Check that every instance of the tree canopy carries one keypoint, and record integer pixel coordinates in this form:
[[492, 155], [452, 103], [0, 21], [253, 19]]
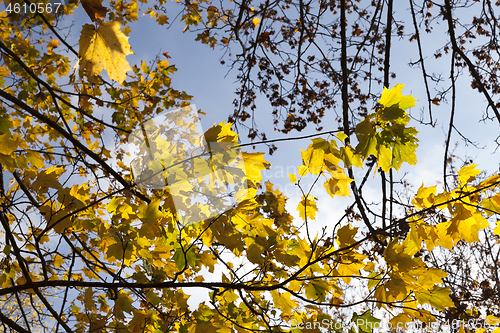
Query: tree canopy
[[103, 239]]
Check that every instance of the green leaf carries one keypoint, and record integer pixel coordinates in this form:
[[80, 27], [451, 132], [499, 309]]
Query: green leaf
[[6, 249], [365, 322], [5, 125], [392, 113], [180, 260]]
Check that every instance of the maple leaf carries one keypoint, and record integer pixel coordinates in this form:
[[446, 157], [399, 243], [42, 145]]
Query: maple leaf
[[345, 236], [317, 290], [394, 96], [365, 321], [437, 297], [338, 185], [307, 208], [104, 48], [385, 134], [149, 213], [496, 231], [283, 302], [88, 299], [468, 173], [94, 8], [123, 303], [254, 164]]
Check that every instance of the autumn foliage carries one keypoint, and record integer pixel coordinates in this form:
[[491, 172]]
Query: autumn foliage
[[87, 248]]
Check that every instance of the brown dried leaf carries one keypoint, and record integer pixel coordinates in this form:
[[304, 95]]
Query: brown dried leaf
[[94, 9]]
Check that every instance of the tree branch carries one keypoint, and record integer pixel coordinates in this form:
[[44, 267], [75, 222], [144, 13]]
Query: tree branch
[[472, 68]]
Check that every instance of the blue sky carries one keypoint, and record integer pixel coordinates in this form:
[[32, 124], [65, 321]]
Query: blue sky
[[212, 85]]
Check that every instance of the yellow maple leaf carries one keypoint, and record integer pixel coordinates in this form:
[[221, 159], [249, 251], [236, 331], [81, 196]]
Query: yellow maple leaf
[[468, 173], [492, 321], [149, 213], [123, 303], [349, 267], [491, 205], [394, 96], [254, 165], [430, 277], [350, 158], [283, 302], [313, 159], [104, 48], [58, 261], [438, 297], [425, 197], [400, 320], [338, 185], [307, 208]]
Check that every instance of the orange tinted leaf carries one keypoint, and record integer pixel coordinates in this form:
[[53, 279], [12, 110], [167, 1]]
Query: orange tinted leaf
[[53, 44], [89, 299], [94, 8]]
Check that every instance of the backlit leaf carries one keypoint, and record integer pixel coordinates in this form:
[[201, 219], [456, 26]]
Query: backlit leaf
[[365, 322], [283, 302], [468, 173], [307, 208], [394, 96], [437, 297], [104, 48]]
